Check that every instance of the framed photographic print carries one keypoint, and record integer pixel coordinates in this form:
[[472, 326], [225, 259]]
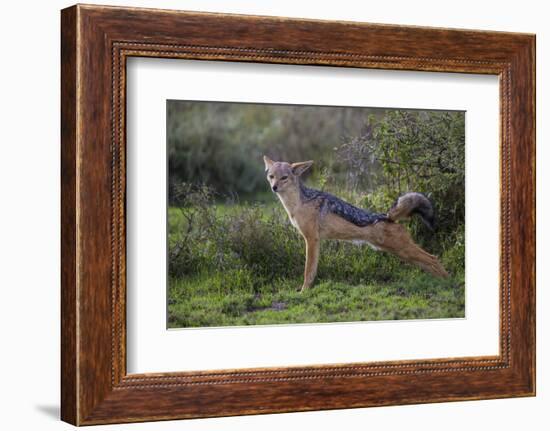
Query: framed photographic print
[[264, 214]]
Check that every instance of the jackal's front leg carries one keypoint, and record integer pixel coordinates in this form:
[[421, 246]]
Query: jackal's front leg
[[312, 259]]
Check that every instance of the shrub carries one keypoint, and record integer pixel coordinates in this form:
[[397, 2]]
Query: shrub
[[403, 151], [265, 242]]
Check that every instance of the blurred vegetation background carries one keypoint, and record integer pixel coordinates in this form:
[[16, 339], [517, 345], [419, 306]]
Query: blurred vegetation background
[[234, 258]]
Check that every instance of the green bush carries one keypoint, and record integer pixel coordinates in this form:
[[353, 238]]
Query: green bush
[[265, 242], [403, 151]]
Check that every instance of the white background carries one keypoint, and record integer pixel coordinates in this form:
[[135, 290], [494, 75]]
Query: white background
[[29, 217], [151, 348]]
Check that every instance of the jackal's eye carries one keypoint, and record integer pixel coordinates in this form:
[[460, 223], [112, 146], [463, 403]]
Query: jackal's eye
[[284, 178], [271, 177]]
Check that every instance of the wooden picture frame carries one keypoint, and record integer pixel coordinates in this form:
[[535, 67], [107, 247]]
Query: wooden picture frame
[[95, 43]]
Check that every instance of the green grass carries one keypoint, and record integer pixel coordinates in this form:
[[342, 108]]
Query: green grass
[[208, 301]]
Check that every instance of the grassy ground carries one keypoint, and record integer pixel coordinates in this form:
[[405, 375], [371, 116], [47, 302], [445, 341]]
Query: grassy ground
[[202, 301], [247, 265]]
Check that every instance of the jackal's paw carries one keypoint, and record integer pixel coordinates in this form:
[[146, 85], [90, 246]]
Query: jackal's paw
[[302, 288]]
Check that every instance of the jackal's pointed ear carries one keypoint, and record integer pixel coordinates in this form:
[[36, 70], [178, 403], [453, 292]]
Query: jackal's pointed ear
[[268, 162], [300, 167]]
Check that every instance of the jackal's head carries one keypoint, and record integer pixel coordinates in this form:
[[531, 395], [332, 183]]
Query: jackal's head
[[283, 176]]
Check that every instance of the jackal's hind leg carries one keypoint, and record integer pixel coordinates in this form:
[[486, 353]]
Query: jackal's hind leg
[[397, 240]]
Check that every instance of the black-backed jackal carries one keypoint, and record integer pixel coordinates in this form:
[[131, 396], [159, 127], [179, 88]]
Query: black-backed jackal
[[318, 215]]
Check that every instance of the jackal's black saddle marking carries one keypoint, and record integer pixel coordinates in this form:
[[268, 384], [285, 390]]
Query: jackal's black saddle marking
[[349, 212]]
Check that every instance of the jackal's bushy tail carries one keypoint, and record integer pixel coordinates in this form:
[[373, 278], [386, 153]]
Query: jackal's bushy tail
[[413, 203]]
